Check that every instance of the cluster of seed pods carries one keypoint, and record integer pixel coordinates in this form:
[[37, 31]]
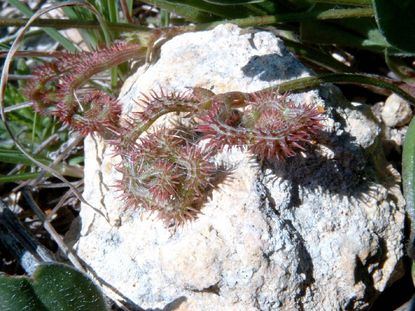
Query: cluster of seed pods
[[169, 170]]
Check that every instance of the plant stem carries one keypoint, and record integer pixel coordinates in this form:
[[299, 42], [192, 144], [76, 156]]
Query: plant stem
[[71, 23], [242, 22], [126, 8], [346, 78], [342, 13], [17, 177], [345, 2], [10, 38], [290, 17], [52, 32]]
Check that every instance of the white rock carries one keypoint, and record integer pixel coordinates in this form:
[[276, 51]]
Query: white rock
[[393, 138], [317, 232], [362, 124], [396, 111]]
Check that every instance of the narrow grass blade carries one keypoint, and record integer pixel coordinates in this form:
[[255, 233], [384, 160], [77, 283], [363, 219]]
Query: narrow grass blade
[[68, 45]]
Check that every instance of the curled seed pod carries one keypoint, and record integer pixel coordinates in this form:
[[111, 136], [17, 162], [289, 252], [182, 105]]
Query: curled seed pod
[[100, 111], [158, 103], [281, 127], [168, 174], [153, 106], [271, 126], [222, 127], [41, 88], [53, 87]]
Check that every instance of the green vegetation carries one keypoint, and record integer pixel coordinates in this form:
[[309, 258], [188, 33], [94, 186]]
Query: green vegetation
[[52, 287]]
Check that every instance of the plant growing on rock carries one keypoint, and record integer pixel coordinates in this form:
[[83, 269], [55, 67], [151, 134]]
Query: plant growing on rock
[[170, 169]]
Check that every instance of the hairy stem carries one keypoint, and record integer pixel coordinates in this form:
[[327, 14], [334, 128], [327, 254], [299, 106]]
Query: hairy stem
[[289, 17], [107, 60]]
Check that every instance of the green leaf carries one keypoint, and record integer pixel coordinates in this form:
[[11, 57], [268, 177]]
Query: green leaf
[[396, 20], [16, 294], [408, 173], [200, 11], [232, 2], [275, 7], [53, 287], [16, 157], [91, 36], [63, 288], [53, 33], [359, 33], [375, 38], [18, 177]]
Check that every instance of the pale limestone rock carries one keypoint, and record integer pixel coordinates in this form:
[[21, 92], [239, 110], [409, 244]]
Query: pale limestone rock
[[362, 124], [392, 137], [318, 232], [396, 111]]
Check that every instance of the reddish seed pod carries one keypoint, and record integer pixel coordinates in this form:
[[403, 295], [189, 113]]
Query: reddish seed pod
[[167, 171], [53, 88], [167, 174], [270, 125]]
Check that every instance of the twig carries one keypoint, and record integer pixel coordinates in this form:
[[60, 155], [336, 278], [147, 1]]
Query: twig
[[20, 77], [123, 302], [18, 106], [70, 23], [62, 201], [124, 8], [52, 232]]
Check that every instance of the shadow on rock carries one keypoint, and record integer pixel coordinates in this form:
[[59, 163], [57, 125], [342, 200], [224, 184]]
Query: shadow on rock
[[272, 68]]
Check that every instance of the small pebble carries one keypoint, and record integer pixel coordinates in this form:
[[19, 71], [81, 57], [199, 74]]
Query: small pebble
[[396, 112]]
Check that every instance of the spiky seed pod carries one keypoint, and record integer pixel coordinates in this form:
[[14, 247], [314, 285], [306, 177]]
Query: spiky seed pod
[[163, 186], [100, 111], [271, 126], [92, 63], [168, 174], [41, 89], [53, 88], [153, 106], [282, 127], [222, 127], [156, 104], [167, 171]]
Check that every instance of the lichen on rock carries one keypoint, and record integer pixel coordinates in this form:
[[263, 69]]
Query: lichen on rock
[[275, 235]]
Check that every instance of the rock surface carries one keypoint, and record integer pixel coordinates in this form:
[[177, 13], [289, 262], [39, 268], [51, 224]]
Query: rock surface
[[320, 231]]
